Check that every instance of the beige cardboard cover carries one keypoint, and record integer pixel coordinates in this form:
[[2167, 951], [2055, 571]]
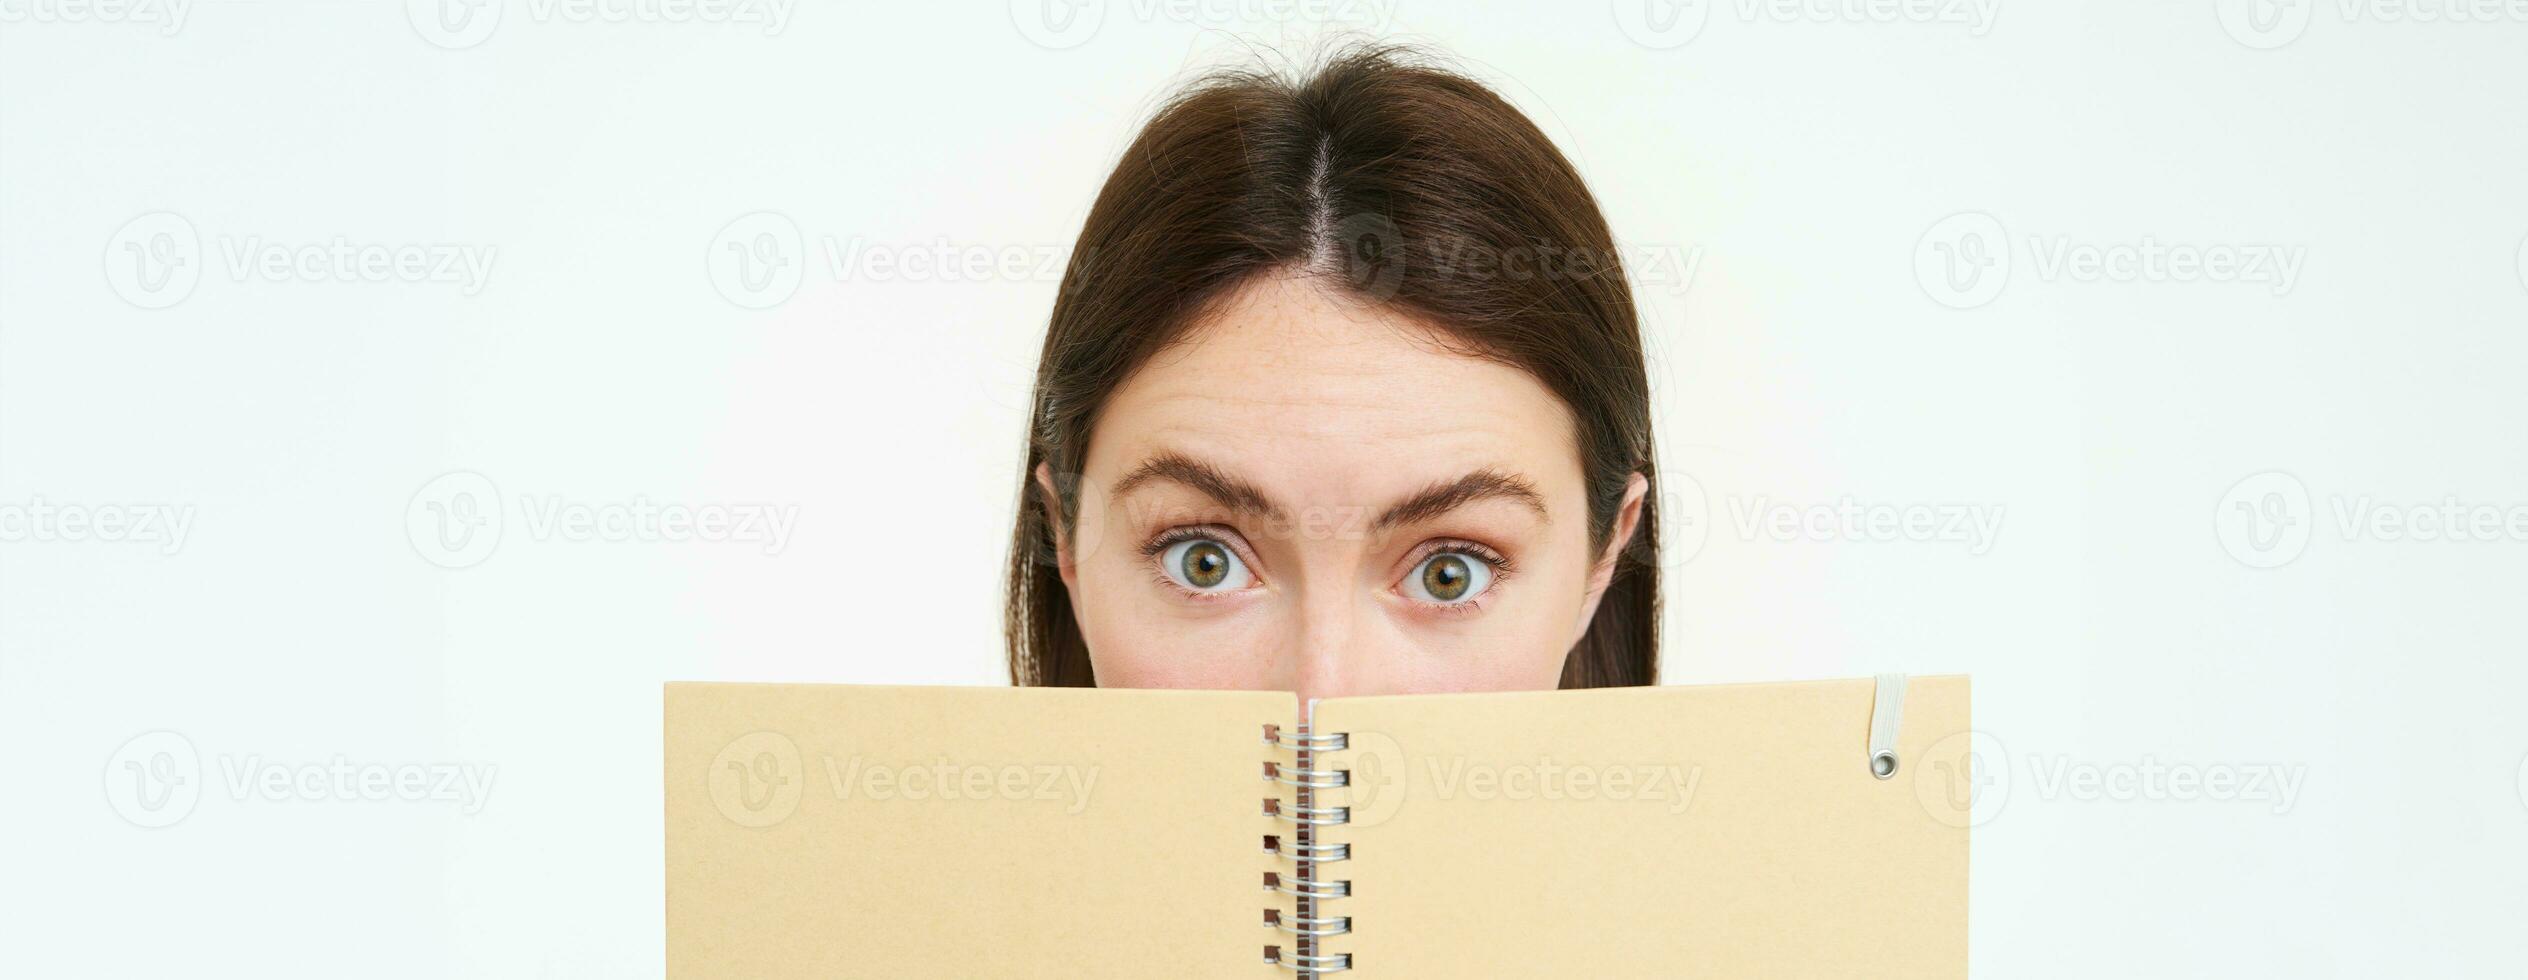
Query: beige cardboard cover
[[1720, 831], [832, 831]]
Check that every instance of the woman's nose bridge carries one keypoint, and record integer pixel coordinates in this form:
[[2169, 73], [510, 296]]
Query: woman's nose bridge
[[1327, 639]]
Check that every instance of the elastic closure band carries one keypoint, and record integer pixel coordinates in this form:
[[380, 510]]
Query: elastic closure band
[[1887, 714]]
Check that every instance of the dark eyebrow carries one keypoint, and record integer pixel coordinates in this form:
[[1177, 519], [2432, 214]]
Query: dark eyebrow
[[1202, 477], [1440, 498], [1230, 491]]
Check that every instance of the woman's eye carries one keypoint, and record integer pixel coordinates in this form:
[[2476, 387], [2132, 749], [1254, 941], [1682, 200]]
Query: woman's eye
[[1448, 577], [1204, 565]]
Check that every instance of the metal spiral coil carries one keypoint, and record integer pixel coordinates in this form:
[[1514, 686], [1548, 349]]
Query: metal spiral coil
[[1305, 923]]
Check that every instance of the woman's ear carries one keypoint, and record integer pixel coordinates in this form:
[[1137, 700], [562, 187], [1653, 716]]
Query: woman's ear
[[1627, 522], [1050, 500]]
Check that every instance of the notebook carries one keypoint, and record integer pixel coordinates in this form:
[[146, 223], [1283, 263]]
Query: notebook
[[1808, 829]]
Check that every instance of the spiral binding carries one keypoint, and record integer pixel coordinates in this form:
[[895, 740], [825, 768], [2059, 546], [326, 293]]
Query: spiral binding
[[1305, 922]]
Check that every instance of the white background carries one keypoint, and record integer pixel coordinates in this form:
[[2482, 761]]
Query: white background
[[2154, 613]]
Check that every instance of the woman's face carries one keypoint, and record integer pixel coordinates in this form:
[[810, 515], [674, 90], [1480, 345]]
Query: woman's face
[[1308, 494]]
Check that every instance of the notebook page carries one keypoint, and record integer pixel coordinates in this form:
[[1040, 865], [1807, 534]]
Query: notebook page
[[1721, 831], [841, 831]]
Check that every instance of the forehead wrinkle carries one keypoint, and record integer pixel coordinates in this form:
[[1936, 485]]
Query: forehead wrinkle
[[1317, 398]]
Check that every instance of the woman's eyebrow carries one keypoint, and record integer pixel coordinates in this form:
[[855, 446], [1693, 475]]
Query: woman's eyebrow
[[1202, 477], [1232, 492], [1440, 498]]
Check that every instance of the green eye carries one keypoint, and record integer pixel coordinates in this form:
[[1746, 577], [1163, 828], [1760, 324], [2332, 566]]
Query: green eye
[[1203, 565], [1449, 577], [1445, 577]]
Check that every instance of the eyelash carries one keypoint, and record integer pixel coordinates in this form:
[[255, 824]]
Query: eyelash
[[1501, 570], [1500, 564], [1158, 545]]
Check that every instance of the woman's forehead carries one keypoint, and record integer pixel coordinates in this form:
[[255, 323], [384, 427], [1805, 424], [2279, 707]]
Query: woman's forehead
[[1314, 395]]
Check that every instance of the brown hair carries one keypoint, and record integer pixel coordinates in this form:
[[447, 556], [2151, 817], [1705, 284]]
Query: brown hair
[[1407, 184]]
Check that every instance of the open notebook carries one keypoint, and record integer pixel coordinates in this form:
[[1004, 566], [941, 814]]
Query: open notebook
[[1811, 829]]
